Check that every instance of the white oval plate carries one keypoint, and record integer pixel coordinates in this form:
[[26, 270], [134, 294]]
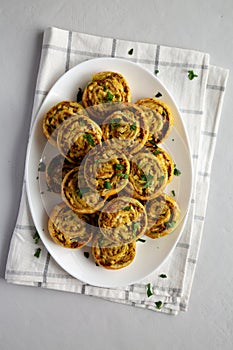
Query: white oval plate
[[149, 255]]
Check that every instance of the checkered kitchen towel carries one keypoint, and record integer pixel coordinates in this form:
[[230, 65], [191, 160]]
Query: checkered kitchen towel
[[199, 100]]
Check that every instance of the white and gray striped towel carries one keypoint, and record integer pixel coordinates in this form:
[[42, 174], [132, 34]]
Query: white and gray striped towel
[[200, 102]]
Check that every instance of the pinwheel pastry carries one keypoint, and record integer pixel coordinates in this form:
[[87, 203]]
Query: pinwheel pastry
[[163, 216], [56, 116], [69, 229], [123, 220], [165, 158], [76, 136], [126, 129], [111, 256], [148, 176], [106, 170], [78, 195], [56, 171], [104, 92], [159, 118]]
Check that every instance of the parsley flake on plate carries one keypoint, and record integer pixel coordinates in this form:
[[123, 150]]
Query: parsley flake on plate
[[109, 97], [177, 172], [89, 139], [170, 224], [148, 178], [128, 207], [125, 176], [157, 151], [130, 52], [173, 193], [79, 95], [115, 122], [107, 185], [42, 166], [133, 126], [141, 240], [120, 167], [158, 94], [82, 191]]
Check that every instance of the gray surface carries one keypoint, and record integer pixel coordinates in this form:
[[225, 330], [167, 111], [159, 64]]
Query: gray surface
[[32, 318]]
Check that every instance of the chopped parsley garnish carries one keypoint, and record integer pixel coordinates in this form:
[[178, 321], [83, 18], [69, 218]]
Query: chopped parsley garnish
[[164, 113], [104, 88], [109, 97], [79, 95], [37, 252], [170, 224], [148, 290], [125, 176], [81, 122], [82, 191], [176, 172], [173, 193], [130, 52], [159, 304], [128, 207], [156, 71], [135, 226], [148, 178], [120, 167], [107, 185], [161, 178], [157, 151], [152, 142], [191, 75], [141, 240], [158, 95], [89, 139], [86, 254], [97, 161], [133, 126], [163, 275], [36, 237], [42, 166], [115, 122]]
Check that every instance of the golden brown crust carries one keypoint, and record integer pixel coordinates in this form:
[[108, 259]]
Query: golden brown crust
[[148, 176], [77, 136], [159, 118], [78, 195], [69, 229], [57, 115], [123, 220], [112, 256], [106, 170], [163, 216], [126, 129], [104, 92], [56, 171]]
